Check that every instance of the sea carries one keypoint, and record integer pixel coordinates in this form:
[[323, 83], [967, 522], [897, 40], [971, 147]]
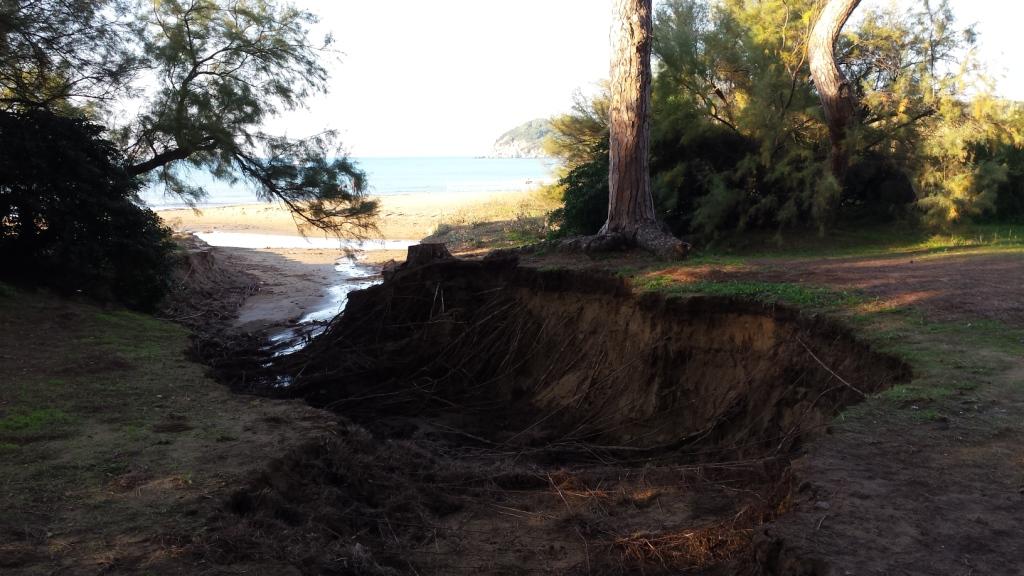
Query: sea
[[388, 176]]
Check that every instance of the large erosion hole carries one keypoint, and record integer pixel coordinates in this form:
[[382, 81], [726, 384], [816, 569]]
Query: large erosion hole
[[533, 357], [513, 420]]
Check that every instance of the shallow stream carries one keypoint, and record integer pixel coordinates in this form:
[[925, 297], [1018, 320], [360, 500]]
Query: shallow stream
[[351, 275]]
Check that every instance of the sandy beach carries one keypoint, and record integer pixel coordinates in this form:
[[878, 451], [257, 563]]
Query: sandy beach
[[295, 282], [402, 216]]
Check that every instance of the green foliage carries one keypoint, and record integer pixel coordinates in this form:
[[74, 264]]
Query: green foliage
[[1010, 193], [732, 79], [223, 69], [534, 131], [68, 213], [38, 424], [585, 195], [577, 138], [738, 142], [54, 52], [208, 74], [928, 107], [580, 141], [769, 292], [527, 139]]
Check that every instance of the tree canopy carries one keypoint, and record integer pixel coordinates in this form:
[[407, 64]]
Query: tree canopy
[[56, 53], [739, 138], [207, 75]]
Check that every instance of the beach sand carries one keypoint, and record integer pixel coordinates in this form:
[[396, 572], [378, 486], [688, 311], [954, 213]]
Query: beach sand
[[296, 281], [402, 216]]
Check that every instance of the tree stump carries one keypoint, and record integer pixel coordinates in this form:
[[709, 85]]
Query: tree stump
[[422, 254]]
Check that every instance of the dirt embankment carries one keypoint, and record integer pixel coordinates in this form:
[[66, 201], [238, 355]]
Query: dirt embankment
[[509, 420], [206, 292]]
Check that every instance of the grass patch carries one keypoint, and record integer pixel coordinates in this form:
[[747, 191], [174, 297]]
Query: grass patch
[[770, 292], [74, 373], [97, 403], [960, 367], [916, 394], [33, 425], [927, 415], [864, 241]]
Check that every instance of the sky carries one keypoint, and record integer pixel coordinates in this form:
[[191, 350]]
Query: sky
[[448, 77]]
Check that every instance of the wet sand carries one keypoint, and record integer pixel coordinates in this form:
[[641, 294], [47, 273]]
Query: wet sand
[[296, 282]]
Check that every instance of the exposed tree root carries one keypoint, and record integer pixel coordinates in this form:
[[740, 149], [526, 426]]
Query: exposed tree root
[[655, 239], [651, 237]]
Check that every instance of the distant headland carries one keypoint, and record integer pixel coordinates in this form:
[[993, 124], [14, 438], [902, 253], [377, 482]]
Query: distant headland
[[523, 141]]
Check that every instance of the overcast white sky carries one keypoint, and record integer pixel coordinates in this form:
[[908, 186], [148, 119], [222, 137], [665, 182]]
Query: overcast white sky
[[447, 77]]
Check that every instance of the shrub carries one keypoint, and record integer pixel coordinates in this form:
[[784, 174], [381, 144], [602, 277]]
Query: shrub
[[1009, 203], [585, 196], [69, 213]]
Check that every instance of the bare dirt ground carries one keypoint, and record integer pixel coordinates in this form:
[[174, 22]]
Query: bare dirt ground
[[449, 476], [960, 285], [925, 479]]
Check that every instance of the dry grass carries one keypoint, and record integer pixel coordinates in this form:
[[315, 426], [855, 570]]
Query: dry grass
[[500, 222]]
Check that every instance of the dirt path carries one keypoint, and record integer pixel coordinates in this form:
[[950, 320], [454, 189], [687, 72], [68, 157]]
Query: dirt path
[[955, 286]]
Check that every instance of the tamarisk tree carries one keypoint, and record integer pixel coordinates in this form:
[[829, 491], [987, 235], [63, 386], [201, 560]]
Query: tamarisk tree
[[222, 68], [55, 51]]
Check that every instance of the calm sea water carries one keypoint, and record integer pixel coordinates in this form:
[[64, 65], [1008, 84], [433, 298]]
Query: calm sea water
[[398, 176]]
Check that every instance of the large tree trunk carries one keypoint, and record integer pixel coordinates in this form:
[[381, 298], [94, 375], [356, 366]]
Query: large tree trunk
[[630, 205], [837, 96]]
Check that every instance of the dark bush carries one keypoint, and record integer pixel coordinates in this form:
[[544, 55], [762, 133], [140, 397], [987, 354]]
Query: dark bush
[[586, 195], [69, 214], [690, 160], [876, 189], [1010, 199]]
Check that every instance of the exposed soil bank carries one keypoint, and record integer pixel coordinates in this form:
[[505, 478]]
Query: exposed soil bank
[[513, 420], [600, 363]]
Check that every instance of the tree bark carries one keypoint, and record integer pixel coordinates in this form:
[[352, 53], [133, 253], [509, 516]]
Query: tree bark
[[837, 96], [158, 161], [629, 182], [630, 205]]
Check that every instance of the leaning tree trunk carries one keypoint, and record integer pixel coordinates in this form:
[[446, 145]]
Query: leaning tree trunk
[[834, 90], [630, 205]]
